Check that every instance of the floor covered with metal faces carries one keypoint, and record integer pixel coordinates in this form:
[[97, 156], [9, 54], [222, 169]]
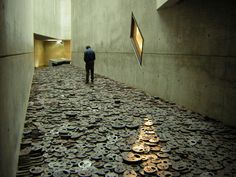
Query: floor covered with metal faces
[[109, 129]]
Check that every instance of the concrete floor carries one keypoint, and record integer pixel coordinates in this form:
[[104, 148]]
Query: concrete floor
[[81, 130]]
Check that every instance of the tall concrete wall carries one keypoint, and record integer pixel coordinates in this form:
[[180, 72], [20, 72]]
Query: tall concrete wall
[[189, 55], [16, 72], [52, 18], [65, 19], [39, 58], [67, 49]]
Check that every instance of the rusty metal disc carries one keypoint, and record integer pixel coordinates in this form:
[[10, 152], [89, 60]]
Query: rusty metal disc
[[149, 157], [149, 132], [155, 148], [162, 166], [164, 174], [154, 139], [130, 173], [162, 154], [131, 157], [140, 148], [150, 169], [148, 123], [165, 149]]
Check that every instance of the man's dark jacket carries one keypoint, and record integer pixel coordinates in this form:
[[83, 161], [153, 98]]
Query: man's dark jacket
[[89, 56]]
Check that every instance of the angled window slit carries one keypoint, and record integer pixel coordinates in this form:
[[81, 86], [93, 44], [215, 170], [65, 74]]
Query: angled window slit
[[136, 39]]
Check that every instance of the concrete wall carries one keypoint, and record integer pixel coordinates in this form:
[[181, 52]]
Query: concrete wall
[[189, 55], [16, 72], [67, 49], [52, 18], [65, 19], [39, 58]]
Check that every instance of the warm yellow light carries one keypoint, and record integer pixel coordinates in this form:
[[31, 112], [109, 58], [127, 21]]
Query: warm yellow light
[[139, 39], [36, 64], [59, 42]]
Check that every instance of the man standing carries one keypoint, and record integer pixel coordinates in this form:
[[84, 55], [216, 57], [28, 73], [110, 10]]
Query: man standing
[[89, 57]]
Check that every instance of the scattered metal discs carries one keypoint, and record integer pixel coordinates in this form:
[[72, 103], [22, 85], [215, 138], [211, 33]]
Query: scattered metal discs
[[85, 129]]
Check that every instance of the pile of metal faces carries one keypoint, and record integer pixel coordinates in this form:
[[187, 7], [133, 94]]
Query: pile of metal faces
[[112, 130]]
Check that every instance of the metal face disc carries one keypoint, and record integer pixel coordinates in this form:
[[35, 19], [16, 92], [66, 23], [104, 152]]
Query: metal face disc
[[162, 166], [85, 164], [155, 148], [179, 166], [61, 173], [149, 157], [119, 168], [148, 123], [111, 174], [36, 170], [140, 148], [164, 174], [150, 169], [162, 155], [154, 139], [130, 173], [207, 174], [84, 173], [131, 157]]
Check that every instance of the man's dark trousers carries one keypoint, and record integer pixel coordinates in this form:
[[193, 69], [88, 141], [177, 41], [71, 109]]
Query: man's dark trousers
[[89, 68]]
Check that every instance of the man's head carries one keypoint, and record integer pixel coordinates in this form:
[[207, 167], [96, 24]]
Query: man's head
[[88, 47]]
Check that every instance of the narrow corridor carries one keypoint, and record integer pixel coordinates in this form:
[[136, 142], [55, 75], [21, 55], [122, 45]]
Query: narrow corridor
[[74, 129]]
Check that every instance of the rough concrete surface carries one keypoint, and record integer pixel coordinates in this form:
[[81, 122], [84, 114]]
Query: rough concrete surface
[[52, 18], [16, 72], [16, 27], [14, 92]]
